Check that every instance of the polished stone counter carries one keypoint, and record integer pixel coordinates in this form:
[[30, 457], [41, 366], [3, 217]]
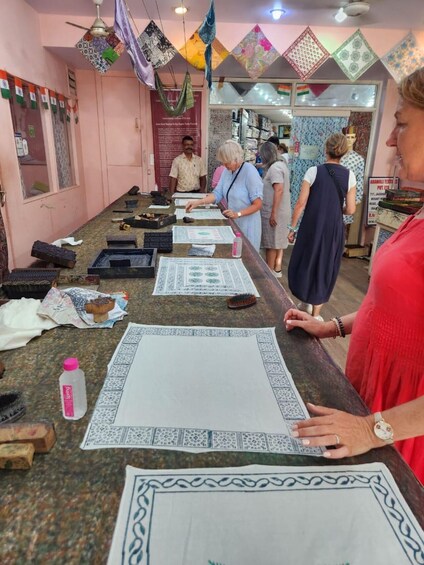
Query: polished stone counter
[[63, 510]]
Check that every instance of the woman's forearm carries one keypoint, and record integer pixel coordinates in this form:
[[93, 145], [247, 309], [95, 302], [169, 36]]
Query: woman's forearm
[[278, 195], [254, 207]]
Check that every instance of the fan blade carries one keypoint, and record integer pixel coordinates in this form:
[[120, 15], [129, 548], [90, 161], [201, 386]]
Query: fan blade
[[76, 25]]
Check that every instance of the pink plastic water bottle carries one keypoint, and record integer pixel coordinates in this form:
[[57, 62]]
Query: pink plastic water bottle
[[72, 390], [237, 245]]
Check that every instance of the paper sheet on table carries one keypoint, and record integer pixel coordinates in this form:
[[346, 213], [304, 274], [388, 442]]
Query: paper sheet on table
[[265, 515], [188, 195], [198, 389]]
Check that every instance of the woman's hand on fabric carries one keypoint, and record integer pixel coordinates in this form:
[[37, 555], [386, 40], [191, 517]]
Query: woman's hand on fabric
[[291, 237], [230, 214], [272, 221], [351, 435], [190, 205], [294, 318]]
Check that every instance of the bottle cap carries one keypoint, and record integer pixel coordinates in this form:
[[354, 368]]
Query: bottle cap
[[70, 364], [238, 234]]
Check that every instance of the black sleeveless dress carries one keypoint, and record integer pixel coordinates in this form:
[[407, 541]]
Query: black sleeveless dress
[[317, 253]]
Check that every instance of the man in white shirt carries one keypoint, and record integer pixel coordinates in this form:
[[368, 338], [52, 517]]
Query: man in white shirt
[[188, 171]]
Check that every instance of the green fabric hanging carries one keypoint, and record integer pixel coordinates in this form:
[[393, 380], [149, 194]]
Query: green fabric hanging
[[185, 100]]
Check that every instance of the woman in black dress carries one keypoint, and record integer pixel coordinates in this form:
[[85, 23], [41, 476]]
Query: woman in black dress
[[327, 192]]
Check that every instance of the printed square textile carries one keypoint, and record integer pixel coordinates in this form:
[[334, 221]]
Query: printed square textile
[[355, 56], [194, 52], [204, 235], [351, 514], [207, 277], [198, 389], [199, 214], [405, 58], [101, 52], [255, 52], [306, 54], [181, 203], [157, 49]]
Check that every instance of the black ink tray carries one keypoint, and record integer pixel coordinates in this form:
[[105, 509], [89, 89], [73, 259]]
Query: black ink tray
[[152, 221], [124, 263]]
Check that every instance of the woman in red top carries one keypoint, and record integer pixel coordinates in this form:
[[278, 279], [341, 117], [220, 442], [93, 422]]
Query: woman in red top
[[386, 355]]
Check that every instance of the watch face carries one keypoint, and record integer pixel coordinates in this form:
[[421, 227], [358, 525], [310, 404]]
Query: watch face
[[383, 430]]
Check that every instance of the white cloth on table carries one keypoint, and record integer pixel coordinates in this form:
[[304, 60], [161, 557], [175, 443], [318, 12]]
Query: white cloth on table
[[200, 214], [181, 202], [208, 235], [66, 241], [265, 515]]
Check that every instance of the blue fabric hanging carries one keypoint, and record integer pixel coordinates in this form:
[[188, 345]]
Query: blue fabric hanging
[[142, 68], [207, 32]]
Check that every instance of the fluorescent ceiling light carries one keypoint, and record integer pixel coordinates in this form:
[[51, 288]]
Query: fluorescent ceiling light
[[181, 10], [340, 16], [276, 13]]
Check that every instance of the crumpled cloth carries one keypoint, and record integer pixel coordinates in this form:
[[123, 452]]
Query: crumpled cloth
[[201, 250], [67, 306], [66, 241], [20, 322]]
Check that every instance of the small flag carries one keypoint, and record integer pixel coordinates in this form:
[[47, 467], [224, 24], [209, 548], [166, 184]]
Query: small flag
[[44, 97], [302, 89], [19, 91], [61, 107], [76, 112], [53, 101], [68, 112], [32, 96], [284, 89], [4, 85]]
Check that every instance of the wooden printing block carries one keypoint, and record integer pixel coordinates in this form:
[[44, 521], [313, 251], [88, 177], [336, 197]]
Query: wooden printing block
[[100, 308], [53, 254], [40, 434], [121, 240], [16, 455]]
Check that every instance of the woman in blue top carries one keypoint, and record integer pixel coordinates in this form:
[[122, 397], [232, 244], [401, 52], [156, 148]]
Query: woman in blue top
[[239, 189]]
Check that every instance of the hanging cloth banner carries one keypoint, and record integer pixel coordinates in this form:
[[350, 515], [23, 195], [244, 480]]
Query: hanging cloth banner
[[32, 96], [142, 68], [44, 97], [53, 101], [68, 112], [61, 106], [19, 91], [4, 85], [207, 32], [284, 89], [185, 100], [76, 117]]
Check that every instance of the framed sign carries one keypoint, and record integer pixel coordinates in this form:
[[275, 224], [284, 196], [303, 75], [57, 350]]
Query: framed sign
[[377, 187], [284, 131]]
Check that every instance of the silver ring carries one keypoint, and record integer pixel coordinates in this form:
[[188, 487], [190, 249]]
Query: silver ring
[[337, 439]]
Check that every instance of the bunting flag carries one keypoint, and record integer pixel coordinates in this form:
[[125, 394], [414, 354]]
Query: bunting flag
[[62, 109], [284, 89], [4, 85], [19, 91], [53, 101], [255, 53], [207, 32], [306, 54], [68, 111], [44, 97], [355, 56], [302, 89], [76, 117], [32, 96], [404, 58]]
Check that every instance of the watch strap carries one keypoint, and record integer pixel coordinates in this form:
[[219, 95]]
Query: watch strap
[[378, 419]]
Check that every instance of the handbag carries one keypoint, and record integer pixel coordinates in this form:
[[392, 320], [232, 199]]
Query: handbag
[[336, 184]]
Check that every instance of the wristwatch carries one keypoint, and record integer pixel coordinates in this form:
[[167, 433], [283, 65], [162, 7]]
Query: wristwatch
[[238, 214], [382, 429]]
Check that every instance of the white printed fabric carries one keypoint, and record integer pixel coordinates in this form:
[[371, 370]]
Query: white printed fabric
[[203, 277], [355, 56], [265, 515], [206, 235], [182, 202], [198, 389], [405, 58], [199, 214], [306, 54]]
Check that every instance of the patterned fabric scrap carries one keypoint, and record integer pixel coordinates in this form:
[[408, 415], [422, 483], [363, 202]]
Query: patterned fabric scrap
[[194, 52], [157, 49], [101, 52], [306, 54], [207, 32], [405, 58], [355, 56], [255, 53]]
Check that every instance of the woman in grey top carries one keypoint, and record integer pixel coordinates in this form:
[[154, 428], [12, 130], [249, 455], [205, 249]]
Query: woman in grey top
[[275, 212]]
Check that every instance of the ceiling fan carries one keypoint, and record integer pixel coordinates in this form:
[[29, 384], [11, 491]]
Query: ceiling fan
[[98, 27], [355, 8]]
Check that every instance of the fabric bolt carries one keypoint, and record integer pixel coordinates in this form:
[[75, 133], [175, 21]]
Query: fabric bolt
[[199, 214], [404, 58], [187, 172], [194, 49], [317, 253], [203, 235], [385, 361], [204, 277], [355, 56], [215, 389], [157, 49], [355, 163], [276, 238], [306, 54], [169, 512], [246, 188], [255, 52]]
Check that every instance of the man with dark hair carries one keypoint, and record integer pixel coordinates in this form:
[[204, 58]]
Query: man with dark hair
[[188, 171]]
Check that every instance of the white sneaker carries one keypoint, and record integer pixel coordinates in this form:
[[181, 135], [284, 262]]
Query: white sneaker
[[319, 318], [277, 274], [305, 307]]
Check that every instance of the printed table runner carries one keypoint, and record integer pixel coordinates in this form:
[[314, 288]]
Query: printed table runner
[[200, 214], [265, 515], [204, 235], [181, 202], [198, 389]]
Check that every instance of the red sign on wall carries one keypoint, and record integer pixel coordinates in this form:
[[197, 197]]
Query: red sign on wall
[[168, 132]]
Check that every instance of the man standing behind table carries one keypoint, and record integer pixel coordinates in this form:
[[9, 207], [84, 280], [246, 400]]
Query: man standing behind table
[[188, 171]]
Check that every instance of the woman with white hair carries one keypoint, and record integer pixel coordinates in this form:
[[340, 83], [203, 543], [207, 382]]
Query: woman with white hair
[[239, 189]]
